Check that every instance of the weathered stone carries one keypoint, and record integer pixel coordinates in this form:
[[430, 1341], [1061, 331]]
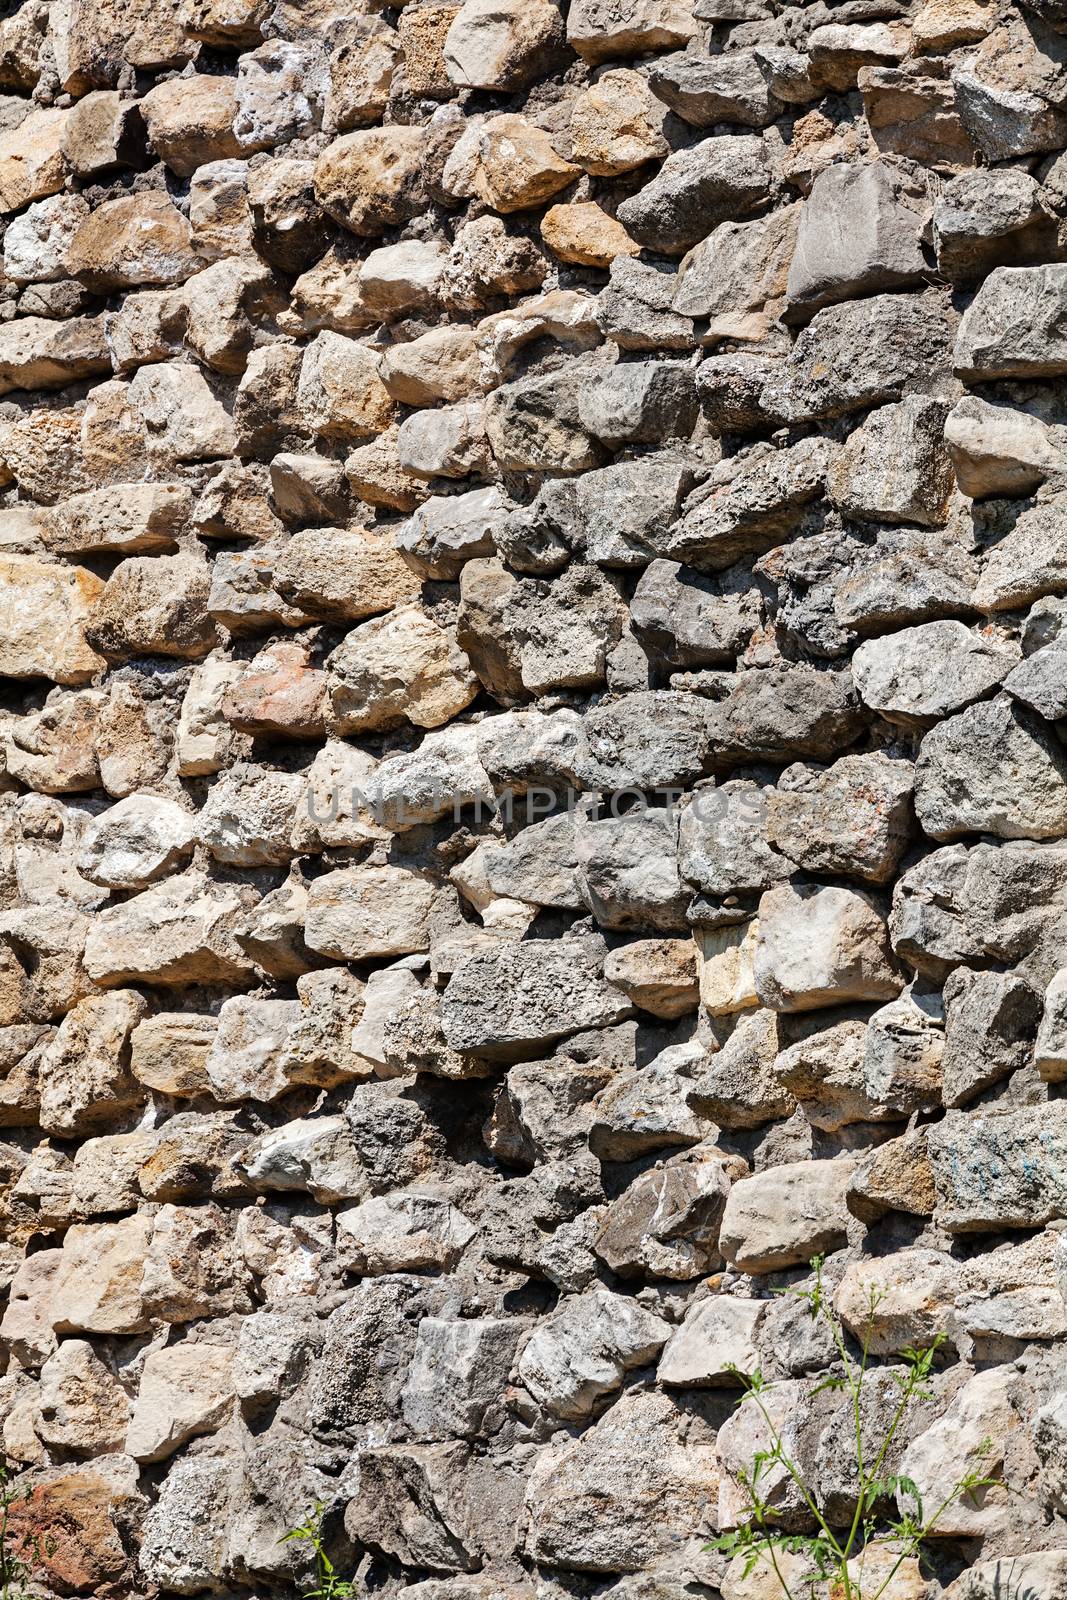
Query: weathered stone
[[786, 1215], [1011, 329], [179, 931], [894, 466], [991, 769], [881, 248], [649, 1490], [1003, 1169], [852, 818], [820, 946], [361, 912], [191, 121], [401, 666], [583, 1351], [539, 992], [716, 181], [714, 1344], [186, 1389], [45, 610], [616, 124]]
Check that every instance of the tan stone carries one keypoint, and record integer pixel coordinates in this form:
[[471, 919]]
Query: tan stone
[[421, 32], [585, 235], [53, 751], [31, 159], [659, 975], [374, 179], [340, 392], [366, 913], [328, 295], [192, 1268], [401, 665], [102, 131], [507, 162], [139, 239], [27, 1328], [185, 1390], [155, 605], [105, 36], [85, 1079], [617, 124], [184, 418], [44, 611], [361, 74], [98, 1285], [124, 518], [206, 742], [376, 476], [442, 364], [168, 1053], [190, 121], [344, 574], [224, 22], [39, 353], [179, 931], [112, 444], [944, 24]]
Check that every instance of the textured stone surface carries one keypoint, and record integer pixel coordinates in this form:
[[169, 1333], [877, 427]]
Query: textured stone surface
[[532, 784]]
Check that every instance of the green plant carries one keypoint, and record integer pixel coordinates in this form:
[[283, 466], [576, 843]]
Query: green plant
[[329, 1585], [829, 1551], [20, 1553]]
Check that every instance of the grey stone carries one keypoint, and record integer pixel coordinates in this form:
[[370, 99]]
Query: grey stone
[[988, 219], [779, 713], [881, 249], [747, 506], [715, 181], [853, 818], [582, 1352], [645, 740], [635, 309], [723, 844], [707, 90], [508, 1004], [458, 1373], [863, 354], [628, 870], [640, 402], [714, 1344], [895, 467], [666, 1224], [628, 509], [1013, 327], [995, 769], [920, 675], [991, 1020], [689, 619], [1003, 1169]]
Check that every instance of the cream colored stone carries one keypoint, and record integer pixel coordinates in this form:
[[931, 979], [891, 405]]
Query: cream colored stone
[[185, 1390], [98, 1285], [85, 1078], [124, 518], [44, 610], [340, 392], [502, 44], [443, 364], [81, 1406], [725, 958], [395, 667]]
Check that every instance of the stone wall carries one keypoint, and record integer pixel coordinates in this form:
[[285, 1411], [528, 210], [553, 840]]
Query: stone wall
[[533, 552]]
